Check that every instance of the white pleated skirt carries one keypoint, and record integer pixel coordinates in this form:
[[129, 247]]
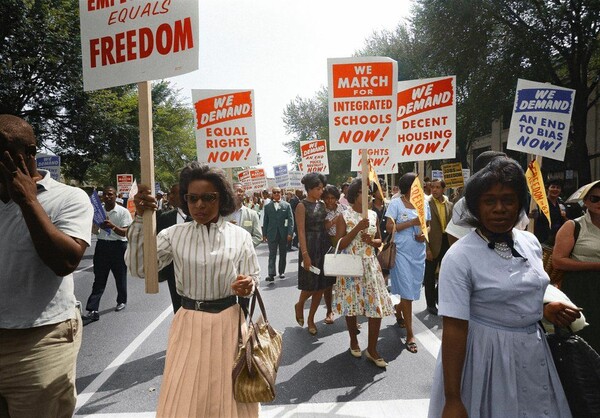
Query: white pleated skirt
[[197, 379]]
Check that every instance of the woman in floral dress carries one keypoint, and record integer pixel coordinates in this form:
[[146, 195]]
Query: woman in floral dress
[[366, 295]]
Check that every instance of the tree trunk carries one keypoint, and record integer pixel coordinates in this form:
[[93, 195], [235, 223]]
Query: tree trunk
[[580, 159]]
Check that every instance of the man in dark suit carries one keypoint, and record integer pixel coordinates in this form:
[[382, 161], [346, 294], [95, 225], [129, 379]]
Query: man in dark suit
[[164, 220], [441, 213], [278, 229]]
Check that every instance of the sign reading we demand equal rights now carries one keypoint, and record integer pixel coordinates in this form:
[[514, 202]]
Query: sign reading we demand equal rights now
[[426, 119], [125, 41], [362, 102], [541, 119], [225, 127]]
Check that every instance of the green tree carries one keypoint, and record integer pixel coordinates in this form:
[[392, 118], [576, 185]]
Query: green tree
[[307, 119], [488, 44]]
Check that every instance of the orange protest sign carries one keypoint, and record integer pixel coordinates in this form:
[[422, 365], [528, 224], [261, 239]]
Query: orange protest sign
[[362, 102], [417, 198], [225, 127], [535, 182]]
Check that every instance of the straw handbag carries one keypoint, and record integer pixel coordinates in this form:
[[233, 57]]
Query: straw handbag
[[555, 274], [255, 367]]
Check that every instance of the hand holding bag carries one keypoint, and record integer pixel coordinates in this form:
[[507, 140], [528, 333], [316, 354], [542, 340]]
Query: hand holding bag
[[387, 254], [339, 264], [257, 361]]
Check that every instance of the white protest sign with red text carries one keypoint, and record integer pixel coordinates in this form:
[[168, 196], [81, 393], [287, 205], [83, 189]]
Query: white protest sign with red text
[[362, 102], [244, 178], [124, 182], [314, 156], [125, 42], [541, 119], [258, 179], [225, 127], [383, 160], [426, 119]]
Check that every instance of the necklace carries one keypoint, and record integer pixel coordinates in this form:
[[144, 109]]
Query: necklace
[[500, 248]]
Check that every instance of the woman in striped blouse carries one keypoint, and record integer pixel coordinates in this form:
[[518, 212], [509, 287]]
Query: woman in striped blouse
[[214, 263]]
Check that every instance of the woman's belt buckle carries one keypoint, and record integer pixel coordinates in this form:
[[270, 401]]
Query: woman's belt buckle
[[199, 304]]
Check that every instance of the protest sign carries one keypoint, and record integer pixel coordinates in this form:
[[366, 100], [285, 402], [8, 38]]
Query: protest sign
[[417, 198], [362, 102], [541, 119], [244, 178], [426, 119], [281, 175], [127, 42], [466, 173], [453, 175], [437, 175], [296, 179], [51, 163], [225, 127], [382, 159], [130, 203], [535, 182], [99, 213], [314, 156], [124, 182], [258, 179]]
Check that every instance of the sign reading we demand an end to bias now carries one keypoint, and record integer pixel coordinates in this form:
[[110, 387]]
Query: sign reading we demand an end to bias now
[[314, 156], [362, 102], [126, 41], [541, 119], [225, 127], [426, 119]]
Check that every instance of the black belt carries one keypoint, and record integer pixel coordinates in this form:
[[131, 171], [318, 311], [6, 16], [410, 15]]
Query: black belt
[[212, 306]]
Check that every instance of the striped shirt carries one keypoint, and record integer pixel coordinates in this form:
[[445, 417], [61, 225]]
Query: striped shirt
[[206, 264]]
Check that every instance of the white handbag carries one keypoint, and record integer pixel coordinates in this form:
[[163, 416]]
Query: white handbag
[[340, 264]]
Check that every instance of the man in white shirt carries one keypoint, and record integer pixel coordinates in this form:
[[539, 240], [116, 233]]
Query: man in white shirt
[[109, 254], [244, 217]]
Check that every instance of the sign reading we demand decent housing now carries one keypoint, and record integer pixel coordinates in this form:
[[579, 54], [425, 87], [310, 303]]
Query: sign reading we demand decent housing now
[[362, 102], [225, 127], [125, 41], [541, 119]]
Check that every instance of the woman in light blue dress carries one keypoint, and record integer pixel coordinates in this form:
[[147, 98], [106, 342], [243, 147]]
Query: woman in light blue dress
[[407, 275], [494, 361]]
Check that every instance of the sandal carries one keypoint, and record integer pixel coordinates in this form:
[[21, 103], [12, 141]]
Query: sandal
[[412, 347], [299, 319], [329, 319]]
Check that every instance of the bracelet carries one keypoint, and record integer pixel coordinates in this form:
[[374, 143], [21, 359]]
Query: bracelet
[[304, 252]]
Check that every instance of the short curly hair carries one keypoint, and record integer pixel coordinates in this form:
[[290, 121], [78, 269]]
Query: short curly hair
[[330, 189], [197, 171], [312, 180], [501, 170]]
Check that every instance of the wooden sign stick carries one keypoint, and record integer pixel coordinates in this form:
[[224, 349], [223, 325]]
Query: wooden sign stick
[[365, 183], [147, 168]]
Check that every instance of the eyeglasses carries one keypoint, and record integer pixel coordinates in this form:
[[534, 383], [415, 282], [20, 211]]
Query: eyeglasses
[[276, 192], [207, 197], [594, 198]]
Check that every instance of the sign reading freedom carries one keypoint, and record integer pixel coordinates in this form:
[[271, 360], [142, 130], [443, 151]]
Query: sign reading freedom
[[126, 42]]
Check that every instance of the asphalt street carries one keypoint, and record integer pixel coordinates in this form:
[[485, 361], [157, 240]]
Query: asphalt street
[[122, 356]]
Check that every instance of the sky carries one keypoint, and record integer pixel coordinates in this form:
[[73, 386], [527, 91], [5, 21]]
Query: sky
[[280, 48]]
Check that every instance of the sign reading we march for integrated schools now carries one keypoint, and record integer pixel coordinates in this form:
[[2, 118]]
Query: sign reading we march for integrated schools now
[[225, 127], [541, 119], [426, 119], [362, 102], [124, 41]]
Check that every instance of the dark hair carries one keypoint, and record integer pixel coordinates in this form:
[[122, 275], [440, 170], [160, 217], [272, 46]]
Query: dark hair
[[354, 190], [330, 189], [110, 186], [406, 181], [504, 171], [555, 182], [485, 158], [312, 180], [342, 187], [442, 182], [196, 171]]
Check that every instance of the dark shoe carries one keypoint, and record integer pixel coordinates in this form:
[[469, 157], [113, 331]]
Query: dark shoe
[[412, 347], [120, 307], [270, 279], [432, 310], [92, 316], [282, 276]]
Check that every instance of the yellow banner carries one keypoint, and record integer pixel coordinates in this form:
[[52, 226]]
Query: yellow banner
[[373, 177], [535, 182], [417, 198]]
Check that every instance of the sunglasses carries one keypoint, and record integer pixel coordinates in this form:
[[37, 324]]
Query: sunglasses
[[207, 197], [594, 198], [276, 192]]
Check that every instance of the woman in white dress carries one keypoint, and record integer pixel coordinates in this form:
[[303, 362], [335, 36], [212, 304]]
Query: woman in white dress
[[494, 360]]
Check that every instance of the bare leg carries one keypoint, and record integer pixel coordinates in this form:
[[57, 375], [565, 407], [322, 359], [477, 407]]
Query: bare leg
[[351, 325], [406, 307], [314, 304], [374, 326], [327, 294], [299, 307]]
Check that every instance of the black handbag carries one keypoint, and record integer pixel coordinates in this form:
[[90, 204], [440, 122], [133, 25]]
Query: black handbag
[[578, 366], [387, 254]]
